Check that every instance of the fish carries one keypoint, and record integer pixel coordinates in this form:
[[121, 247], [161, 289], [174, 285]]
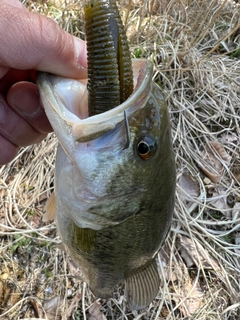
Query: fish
[[115, 181]]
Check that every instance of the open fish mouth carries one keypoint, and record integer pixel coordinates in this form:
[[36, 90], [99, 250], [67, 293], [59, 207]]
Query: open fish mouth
[[68, 99]]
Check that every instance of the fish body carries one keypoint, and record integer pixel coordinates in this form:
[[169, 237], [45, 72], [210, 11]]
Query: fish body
[[114, 183], [115, 171]]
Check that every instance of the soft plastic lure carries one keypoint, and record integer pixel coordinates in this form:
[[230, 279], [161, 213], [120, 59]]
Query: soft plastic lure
[[110, 76]]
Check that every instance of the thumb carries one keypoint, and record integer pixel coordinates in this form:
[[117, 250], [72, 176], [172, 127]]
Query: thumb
[[31, 41]]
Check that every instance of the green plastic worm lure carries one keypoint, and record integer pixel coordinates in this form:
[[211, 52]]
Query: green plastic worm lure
[[110, 76]]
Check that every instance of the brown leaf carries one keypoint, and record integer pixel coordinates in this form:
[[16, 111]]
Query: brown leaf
[[37, 308], [53, 308], [228, 138], [219, 149], [74, 304], [195, 254], [189, 187], [194, 295], [9, 292], [219, 201], [95, 313], [36, 221], [212, 157]]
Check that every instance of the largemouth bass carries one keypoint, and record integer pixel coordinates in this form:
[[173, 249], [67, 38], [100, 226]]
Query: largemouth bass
[[114, 182]]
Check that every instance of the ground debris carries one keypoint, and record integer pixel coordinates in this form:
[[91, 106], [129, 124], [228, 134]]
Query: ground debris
[[212, 158], [189, 187], [194, 255], [191, 296], [200, 81], [95, 312], [54, 308]]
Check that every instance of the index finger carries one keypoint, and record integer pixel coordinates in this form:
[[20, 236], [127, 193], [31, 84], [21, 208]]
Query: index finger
[[31, 41]]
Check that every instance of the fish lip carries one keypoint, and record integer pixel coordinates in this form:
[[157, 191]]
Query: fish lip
[[84, 130]]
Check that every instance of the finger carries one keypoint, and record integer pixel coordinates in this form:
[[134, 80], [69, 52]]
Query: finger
[[36, 42], [15, 129], [3, 71], [23, 97], [15, 3], [8, 151]]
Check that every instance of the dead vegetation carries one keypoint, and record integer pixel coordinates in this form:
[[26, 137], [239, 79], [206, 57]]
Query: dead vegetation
[[195, 46]]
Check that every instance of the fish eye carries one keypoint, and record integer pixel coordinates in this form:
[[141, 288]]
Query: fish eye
[[146, 147]]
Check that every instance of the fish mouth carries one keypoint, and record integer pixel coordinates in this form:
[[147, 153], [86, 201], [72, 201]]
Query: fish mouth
[[68, 99]]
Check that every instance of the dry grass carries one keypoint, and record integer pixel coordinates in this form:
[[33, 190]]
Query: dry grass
[[195, 46]]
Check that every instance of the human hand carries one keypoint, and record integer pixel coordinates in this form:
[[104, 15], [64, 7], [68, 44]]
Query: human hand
[[30, 42]]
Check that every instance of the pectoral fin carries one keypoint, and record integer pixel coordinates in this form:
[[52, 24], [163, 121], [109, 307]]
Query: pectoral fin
[[50, 208], [84, 238], [142, 286]]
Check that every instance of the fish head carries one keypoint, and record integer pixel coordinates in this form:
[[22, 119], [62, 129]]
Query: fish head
[[107, 164]]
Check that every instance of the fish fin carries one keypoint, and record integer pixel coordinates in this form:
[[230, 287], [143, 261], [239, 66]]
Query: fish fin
[[142, 286], [84, 238], [50, 208]]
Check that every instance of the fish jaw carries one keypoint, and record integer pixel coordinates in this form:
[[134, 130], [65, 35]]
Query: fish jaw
[[65, 103]]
